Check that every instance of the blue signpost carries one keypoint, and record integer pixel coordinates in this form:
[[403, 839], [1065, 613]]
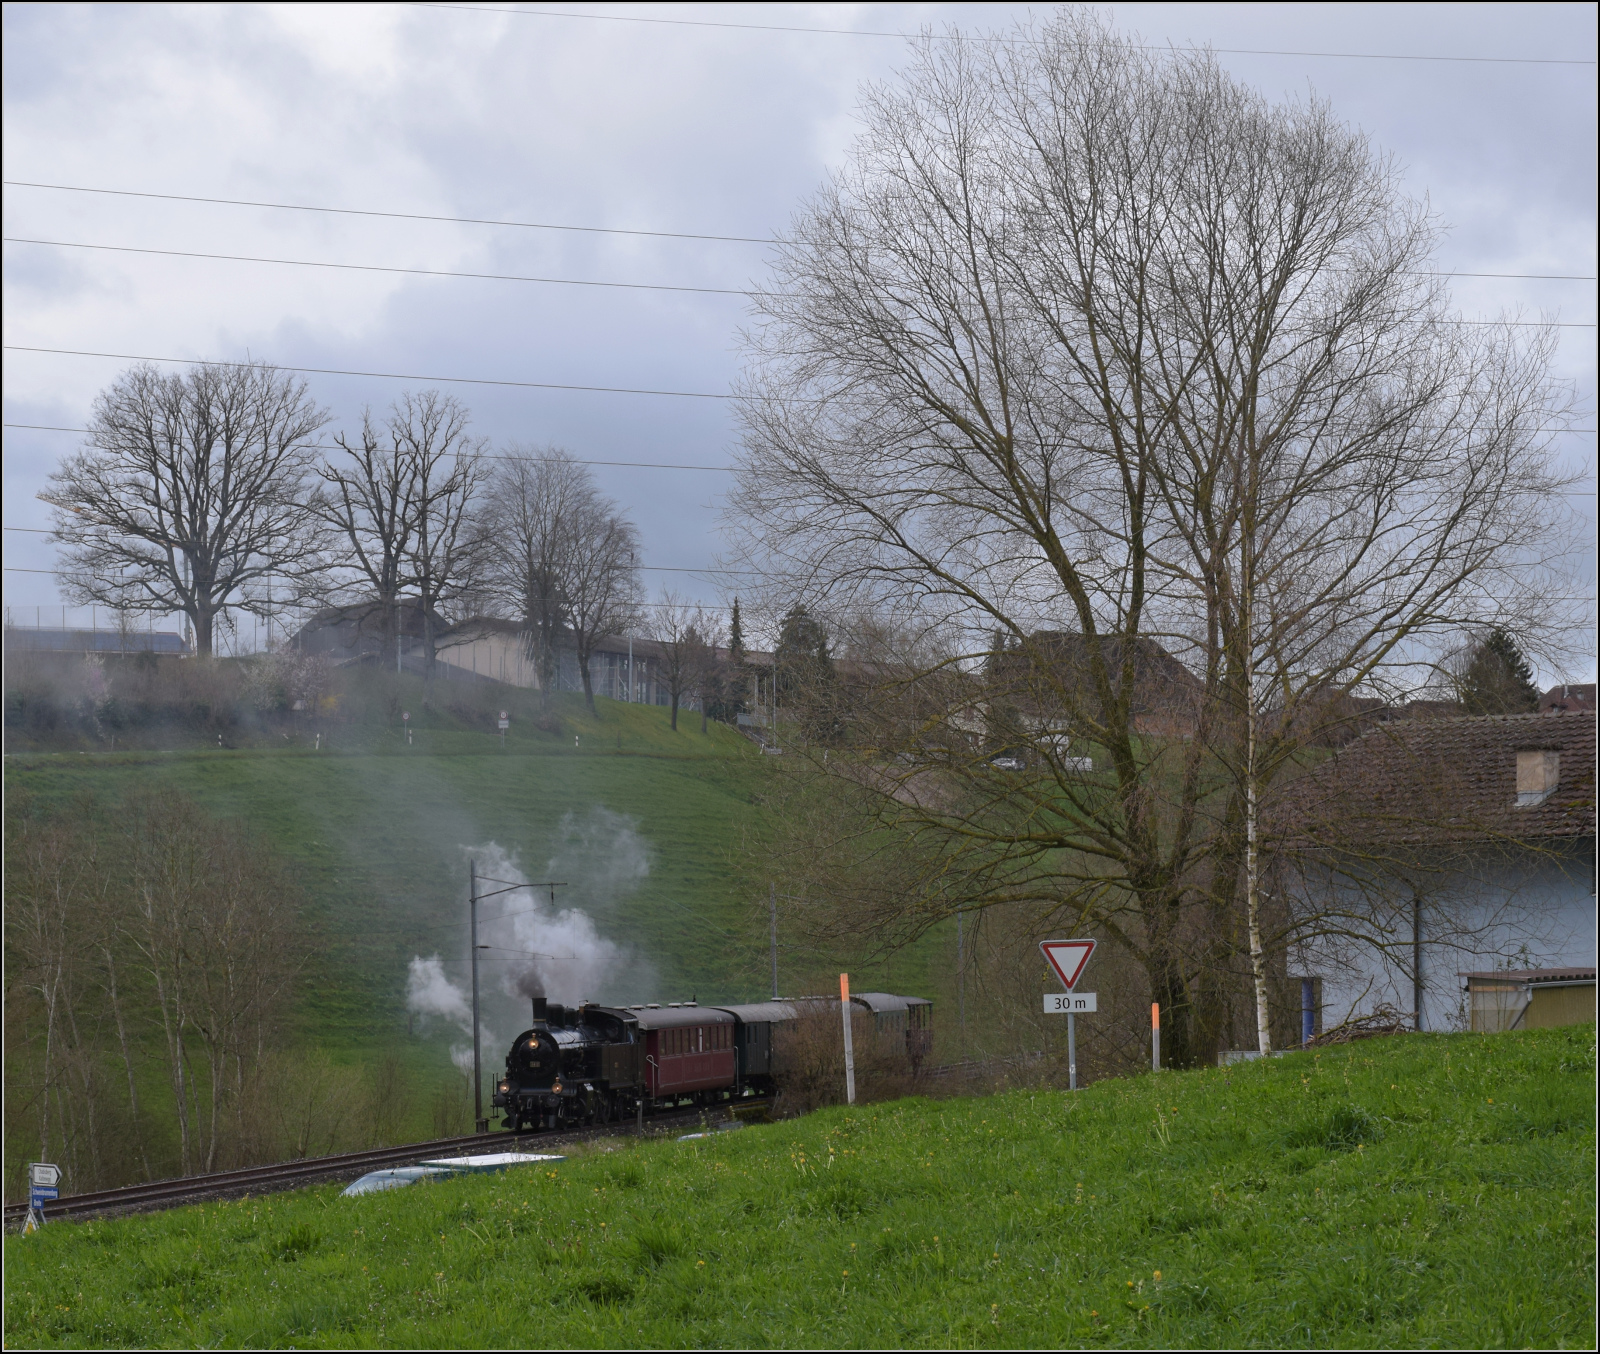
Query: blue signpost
[[43, 1181]]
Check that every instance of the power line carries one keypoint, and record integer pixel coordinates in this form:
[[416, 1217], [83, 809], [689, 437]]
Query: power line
[[482, 455], [517, 385], [381, 268], [646, 568], [546, 225], [396, 216], [984, 38], [580, 282], [386, 375]]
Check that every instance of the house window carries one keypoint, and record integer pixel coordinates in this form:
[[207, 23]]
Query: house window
[[1537, 776]]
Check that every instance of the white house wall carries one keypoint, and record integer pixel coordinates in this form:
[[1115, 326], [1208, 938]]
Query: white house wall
[[1535, 910], [502, 657]]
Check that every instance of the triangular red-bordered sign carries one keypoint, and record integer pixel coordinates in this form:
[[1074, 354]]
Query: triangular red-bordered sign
[[1067, 958]]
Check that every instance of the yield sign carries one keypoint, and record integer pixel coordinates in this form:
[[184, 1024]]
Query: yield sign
[[1067, 958]]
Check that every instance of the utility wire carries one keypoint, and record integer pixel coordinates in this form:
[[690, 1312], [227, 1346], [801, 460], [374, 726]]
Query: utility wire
[[643, 568], [388, 375], [517, 385], [652, 465], [482, 455], [546, 225], [396, 216], [985, 38], [381, 268]]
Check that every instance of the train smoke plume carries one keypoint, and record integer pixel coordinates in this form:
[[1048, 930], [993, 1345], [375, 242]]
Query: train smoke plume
[[532, 948]]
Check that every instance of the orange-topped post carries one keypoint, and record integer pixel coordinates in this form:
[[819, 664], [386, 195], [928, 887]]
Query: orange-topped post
[[849, 1046]]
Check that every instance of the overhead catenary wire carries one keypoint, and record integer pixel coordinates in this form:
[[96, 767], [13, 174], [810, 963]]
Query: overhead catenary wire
[[384, 268], [588, 230], [483, 455], [995, 39], [454, 380], [747, 292], [651, 465], [643, 568]]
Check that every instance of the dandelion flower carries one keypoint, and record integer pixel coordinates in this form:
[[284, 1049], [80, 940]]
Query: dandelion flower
[[1158, 1274]]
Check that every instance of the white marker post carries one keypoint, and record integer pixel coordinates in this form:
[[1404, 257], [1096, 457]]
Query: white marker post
[[1069, 958], [849, 1046]]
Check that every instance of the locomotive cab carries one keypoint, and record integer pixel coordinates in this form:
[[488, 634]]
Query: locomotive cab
[[573, 1065]]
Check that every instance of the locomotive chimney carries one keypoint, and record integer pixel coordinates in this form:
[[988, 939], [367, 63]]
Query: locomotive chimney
[[541, 1009]]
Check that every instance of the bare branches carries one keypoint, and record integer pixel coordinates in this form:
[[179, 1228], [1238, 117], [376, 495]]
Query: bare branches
[[190, 494], [446, 552], [562, 557], [1092, 362]]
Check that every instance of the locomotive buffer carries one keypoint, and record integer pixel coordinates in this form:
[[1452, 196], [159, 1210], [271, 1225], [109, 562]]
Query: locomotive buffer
[[1068, 959]]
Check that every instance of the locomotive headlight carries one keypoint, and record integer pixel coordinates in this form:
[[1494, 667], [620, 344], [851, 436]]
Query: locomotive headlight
[[556, 1087]]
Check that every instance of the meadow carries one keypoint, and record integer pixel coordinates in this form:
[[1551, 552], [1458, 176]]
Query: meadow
[[1416, 1191], [649, 830]]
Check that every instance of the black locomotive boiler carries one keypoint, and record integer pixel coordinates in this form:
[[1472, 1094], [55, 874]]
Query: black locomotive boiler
[[589, 1064]]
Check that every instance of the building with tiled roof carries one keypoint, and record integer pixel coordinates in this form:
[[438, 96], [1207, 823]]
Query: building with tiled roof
[[1429, 848]]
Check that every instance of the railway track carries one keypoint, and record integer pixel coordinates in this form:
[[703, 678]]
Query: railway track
[[283, 1175]]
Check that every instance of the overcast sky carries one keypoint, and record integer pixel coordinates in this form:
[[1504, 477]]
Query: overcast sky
[[586, 121]]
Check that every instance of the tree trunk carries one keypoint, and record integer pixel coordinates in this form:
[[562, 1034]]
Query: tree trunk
[[429, 648], [588, 682], [127, 1063], [674, 712], [204, 619]]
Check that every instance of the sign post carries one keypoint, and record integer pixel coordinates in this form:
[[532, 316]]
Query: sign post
[[1068, 958], [505, 723], [849, 1046], [405, 720], [43, 1179]]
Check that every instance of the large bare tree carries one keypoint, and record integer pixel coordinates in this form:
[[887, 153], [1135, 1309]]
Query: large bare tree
[[190, 495], [445, 554], [1139, 407], [603, 592], [531, 522], [402, 506], [370, 502], [688, 638]]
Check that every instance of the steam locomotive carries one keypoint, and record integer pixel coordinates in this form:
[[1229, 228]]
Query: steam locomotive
[[590, 1064]]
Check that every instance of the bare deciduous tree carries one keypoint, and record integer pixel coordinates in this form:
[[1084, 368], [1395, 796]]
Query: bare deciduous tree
[[371, 504], [603, 585], [190, 495], [712, 673], [1139, 406], [215, 930], [445, 554], [536, 500], [679, 627]]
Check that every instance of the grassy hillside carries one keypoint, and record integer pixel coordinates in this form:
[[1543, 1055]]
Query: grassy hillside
[[643, 824], [378, 833], [1418, 1191]]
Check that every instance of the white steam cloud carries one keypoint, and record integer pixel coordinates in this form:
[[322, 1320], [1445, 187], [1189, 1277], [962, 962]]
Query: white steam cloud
[[532, 947]]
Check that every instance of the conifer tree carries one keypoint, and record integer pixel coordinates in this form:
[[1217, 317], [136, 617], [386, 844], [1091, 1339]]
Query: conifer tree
[[1497, 679]]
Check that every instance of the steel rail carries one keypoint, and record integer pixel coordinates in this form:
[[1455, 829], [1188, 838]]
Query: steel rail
[[309, 1170]]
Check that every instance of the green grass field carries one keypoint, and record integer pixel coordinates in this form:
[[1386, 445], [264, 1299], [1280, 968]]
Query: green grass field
[[1422, 1191], [375, 832]]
